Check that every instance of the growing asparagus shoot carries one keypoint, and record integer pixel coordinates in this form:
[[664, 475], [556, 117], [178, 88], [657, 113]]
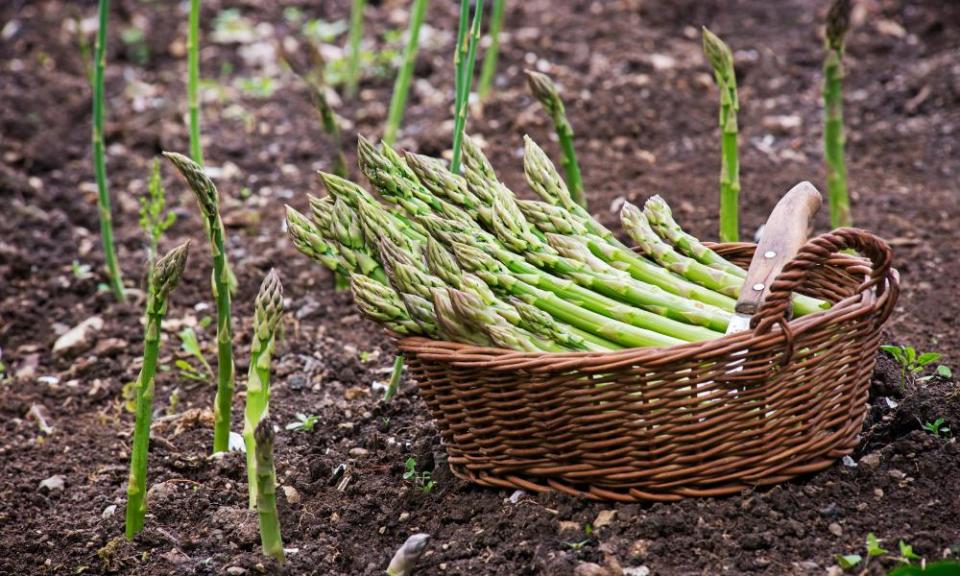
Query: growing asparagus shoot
[[270, 537], [721, 61], [267, 312], [838, 22], [163, 279], [544, 90], [464, 57], [209, 200], [356, 36], [402, 85], [193, 81], [489, 69], [406, 557], [100, 157]]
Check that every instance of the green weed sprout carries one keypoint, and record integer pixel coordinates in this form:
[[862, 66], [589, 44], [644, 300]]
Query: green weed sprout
[[936, 427], [402, 85], [209, 201], [838, 22], [154, 217], [910, 361], [721, 60], [164, 278], [544, 90], [100, 157], [266, 318]]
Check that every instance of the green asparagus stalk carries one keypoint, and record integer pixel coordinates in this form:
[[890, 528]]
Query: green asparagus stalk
[[402, 85], [569, 311], [721, 60], [356, 35], [321, 209], [267, 491], [464, 58], [838, 22], [544, 90], [209, 201], [394, 384], [405, 559], [636, 225], [193, 81], [489, 69], [382, 304], [660, 217], [164, 277], [452, 326], [352, 244], [267, 311], [551, 219], [500, 331], [100, 157]]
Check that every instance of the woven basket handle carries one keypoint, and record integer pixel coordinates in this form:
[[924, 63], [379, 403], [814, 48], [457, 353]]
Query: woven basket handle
[[814, 254]]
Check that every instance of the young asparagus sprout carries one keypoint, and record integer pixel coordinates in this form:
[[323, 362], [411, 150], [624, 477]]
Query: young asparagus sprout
[[721, 61], [402, 85], [356, 36], [405, 559], [209, 201], [544, 90], [489, 69], [193, 81], [163, 279], [100, 157], [268, 309], [464, 58], [394, 385], [267, 491], [838, 22]]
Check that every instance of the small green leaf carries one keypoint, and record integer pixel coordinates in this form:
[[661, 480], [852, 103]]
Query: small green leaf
[[848, 561], [873, 546], [906, 552], [928, 358], [944, 371]]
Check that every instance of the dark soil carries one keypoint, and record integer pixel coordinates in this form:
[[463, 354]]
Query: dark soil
[[639, 95]]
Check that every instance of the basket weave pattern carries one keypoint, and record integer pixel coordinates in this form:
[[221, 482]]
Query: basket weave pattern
[[700, 419]]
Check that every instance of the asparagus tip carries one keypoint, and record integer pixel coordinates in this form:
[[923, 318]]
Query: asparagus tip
[[717, 52], [838, 23], [407, 556]]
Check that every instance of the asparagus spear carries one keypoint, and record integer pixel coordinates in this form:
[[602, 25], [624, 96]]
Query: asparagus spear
[[267, 311], [472, 310], [100, 157], [407, 556], [382, 304], [721, 60], [452, 326], [164, 277], [402, 86], [658, 214], [636, 225], [543, 89], [838, 22], [309, 241], [209, 200], [464, 59], [496, 276], [489, 68], [193, 81], [267, 491], [351, 241]]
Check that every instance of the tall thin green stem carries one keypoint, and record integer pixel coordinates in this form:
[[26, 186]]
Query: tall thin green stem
[[838, 22], [356, 36], [546, 93], [193, 81], [100, 160], [402, 85], [464, 59], [489, 69], [209, 201], [165, 275], [267, 492], [721, 60], [395, 376], [267, 312]]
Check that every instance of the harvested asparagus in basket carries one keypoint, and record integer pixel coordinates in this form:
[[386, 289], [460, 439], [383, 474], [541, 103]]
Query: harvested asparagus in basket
[[461, 258]]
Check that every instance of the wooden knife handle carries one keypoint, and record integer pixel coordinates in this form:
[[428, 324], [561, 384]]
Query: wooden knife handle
[[784, 234]]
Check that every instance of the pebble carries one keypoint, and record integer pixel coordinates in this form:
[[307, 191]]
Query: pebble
[[897, 474], [79, 338], [236, 571], [109, 511], [358, 451], [292, 495], [516, 496], [55, 483], [604, 518], [109, 347], [404, 516], [639, 548], [636, 571], [568, 526], [590, 569], [871, 460], [835, 529]]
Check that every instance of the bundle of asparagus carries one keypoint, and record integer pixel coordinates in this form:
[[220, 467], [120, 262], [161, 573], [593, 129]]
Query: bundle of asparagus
[[461, 258]]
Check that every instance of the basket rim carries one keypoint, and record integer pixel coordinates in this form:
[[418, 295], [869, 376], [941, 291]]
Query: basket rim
[[863, 302]]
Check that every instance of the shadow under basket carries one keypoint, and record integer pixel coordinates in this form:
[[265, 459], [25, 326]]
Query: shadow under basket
[[702, 419]]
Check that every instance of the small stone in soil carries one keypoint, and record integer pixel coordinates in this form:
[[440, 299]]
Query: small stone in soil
[[55, 483], [871, 460], [835, 529], [109, 511], [78, 338]]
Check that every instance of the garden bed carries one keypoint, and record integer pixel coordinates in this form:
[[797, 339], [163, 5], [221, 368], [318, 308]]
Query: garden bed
[[638, 95]]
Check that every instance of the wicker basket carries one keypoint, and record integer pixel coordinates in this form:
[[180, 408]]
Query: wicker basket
[[700, 419]]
